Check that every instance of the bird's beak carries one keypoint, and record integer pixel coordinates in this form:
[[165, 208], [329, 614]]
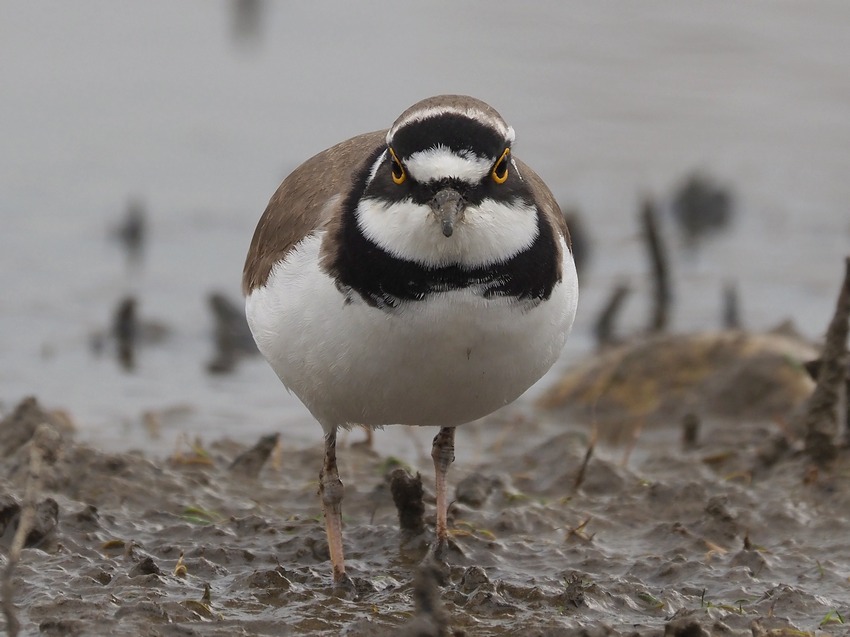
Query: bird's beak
[[448, 206]]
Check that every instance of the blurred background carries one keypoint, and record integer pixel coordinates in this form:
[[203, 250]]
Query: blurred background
[[142, 140]]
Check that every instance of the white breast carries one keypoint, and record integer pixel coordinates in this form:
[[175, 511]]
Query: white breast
[[450, 359]]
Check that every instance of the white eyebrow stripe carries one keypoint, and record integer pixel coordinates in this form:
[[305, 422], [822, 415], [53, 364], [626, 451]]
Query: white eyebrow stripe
[[435, 111], [441, 162]]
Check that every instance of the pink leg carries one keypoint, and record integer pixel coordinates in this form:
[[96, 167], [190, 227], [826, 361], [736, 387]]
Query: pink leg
[[331, 492], [443, 454]]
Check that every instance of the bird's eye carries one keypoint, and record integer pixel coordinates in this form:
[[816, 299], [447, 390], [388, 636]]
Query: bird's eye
[[500, 169], [397, 169]]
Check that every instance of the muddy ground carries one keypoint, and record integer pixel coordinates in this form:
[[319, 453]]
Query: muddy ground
[[736, 533]]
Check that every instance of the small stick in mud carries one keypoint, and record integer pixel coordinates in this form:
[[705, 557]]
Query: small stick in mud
[[701, 207], [180, 569], [660, 268], [579, 533], [247, 21], [249, 463], [407, 495], [822, 409], [431, 619], [125, 329], [132, 232], [574, 588], [582, 470], [231, 334], [731, 307], [813, 369], [690, 430], [603, 329], [43, 450]]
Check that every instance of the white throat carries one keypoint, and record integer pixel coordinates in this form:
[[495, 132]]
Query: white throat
[[489, 233]]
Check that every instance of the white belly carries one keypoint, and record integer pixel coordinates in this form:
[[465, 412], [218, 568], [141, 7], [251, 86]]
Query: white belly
[[445, 361]]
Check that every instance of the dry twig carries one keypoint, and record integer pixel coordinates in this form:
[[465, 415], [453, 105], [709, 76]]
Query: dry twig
[[822, 410], [604, 328], [591, 445], [660, 268], [43, 448]]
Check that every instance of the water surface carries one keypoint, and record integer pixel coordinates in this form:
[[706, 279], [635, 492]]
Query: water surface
[[176, 104]]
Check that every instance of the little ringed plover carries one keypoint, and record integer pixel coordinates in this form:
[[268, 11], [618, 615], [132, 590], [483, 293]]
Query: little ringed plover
[[420, 275]]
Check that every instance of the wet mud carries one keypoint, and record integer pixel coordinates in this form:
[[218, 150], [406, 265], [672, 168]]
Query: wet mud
[[732, 532]]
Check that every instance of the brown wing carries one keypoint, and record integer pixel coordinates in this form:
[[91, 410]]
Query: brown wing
[[545, 201], [305, 201]]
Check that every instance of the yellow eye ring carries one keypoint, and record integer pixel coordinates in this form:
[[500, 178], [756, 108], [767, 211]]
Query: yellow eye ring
[[500, 169], [397, 170]]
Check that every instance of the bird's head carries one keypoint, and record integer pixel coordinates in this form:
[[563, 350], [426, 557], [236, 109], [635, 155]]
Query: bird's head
[[446, 189]]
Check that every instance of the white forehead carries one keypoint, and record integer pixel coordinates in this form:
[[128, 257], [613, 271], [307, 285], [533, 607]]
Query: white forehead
[[479, 116], [441, 162]]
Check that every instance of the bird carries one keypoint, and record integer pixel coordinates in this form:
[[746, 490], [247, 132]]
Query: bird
[[419, 275]]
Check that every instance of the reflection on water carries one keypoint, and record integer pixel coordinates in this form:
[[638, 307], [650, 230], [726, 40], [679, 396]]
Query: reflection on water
[[611, 104], [247, 20]]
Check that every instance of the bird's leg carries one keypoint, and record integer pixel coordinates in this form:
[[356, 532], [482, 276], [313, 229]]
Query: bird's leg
[[331, 492], [443, 454]]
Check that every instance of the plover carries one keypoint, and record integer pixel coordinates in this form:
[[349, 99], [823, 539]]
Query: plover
[[420, 275]]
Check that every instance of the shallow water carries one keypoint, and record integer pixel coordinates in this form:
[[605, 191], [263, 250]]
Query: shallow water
[[200, 119]]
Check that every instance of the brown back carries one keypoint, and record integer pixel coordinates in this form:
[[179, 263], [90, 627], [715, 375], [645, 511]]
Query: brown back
[[301, 204]]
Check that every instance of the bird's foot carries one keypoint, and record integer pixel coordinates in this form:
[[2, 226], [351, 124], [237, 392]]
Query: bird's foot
[[438, 557], [344, 587]]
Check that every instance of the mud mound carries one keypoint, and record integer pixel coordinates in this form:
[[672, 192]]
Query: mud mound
[[657, 380]]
